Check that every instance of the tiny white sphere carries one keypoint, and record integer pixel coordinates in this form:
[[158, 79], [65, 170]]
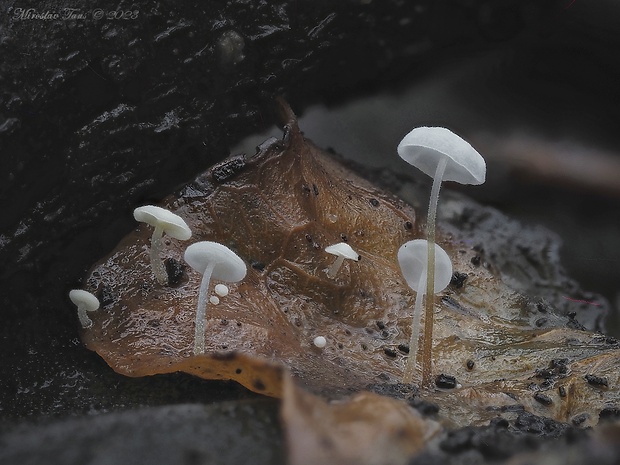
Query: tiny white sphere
[[214, 300], [221, 290], [320, 342]]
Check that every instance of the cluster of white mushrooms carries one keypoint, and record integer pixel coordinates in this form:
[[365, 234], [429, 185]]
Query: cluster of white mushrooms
[[426, 267]]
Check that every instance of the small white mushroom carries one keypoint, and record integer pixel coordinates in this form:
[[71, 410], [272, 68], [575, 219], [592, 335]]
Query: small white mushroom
[[413, 261], [163, 221], [341, 250], [320, 342], [212, 260], [86, 302], [214, 300], [221, 290]]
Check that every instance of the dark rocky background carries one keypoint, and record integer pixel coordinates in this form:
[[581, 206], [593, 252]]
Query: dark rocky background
[[98, 116]]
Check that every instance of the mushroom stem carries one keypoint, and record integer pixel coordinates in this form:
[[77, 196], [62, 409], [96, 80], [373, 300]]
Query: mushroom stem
[[427, 348], [333, 269], [155, 256], [201, 311], [415, 331], [84, 320]]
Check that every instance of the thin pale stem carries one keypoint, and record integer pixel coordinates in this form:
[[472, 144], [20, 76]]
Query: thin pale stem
[[333, 270], [84, 320], [427, 348], [155, 256], [414, 340], [201, 312]]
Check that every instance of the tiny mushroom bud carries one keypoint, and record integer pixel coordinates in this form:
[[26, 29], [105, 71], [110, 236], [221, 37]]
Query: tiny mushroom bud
[[341, 250], [444, 156], [412, 258], [86, 302], [212, 260], [221, 290], [163, 221], [320, 342]]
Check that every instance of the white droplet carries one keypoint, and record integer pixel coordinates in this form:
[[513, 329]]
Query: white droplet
[[221, 290], [320, 342], [214, 300]]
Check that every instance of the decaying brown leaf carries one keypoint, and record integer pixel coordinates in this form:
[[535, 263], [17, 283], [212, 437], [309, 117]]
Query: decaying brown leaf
[[367, 429], [278, 211]]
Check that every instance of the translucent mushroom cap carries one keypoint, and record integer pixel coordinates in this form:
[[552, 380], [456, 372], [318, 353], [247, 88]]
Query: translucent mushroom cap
[[413, 261], [173, 225], [84, 299], [342, 249], [425, 146], [227, 266]]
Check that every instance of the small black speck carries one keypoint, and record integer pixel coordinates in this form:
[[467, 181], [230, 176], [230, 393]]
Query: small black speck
[[258, 266], [579, 419], [458, 279], [309, 238], [541, 307], [364, 346], [403, 348], [259, 385], [475, 260], [562, 391], [380, 325], [470, 364], [224, 322], [542, 398], [385, 333], [389, 352], [239, 324], [541, 322], [316, 245], [175, 271], [343, 237], [599, 381], [374, 202], [445, 381], [347, 332], [408, 225], [315, 189], [238, 371], [340, 345]]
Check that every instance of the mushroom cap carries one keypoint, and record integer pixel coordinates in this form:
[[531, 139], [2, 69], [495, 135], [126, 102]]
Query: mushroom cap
[[425, 146], [172, 224], [413, 260], [343, 249], [227, 264], [84, 299]]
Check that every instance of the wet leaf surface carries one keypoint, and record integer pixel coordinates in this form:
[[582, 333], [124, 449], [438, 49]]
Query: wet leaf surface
[[497, 351]]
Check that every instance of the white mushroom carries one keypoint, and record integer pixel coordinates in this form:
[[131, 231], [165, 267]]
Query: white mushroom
[[320, 342], [341, 250], [221, 290], [413, 261], [86, 302], [163, 221], [212, 260], [442, 155]]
